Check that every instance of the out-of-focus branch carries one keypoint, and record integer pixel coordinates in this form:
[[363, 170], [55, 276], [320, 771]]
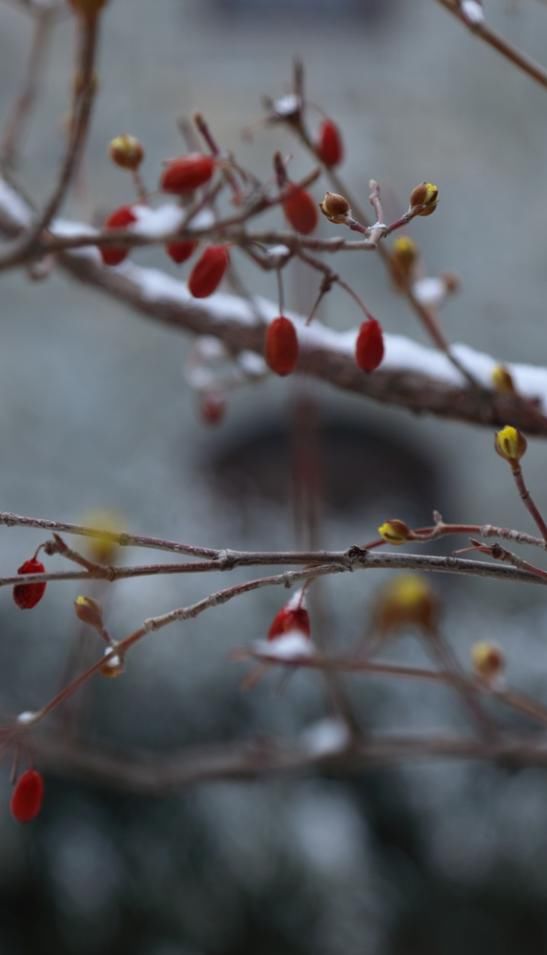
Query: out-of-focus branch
[[480, 28], [255, 759], [22, 107]]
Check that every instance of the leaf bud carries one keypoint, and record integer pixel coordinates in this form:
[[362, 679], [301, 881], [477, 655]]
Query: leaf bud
[[395, 532], [335, 207], [126, 151], [424, 195]]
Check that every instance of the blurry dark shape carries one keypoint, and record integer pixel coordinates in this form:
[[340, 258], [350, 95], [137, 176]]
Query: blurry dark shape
[[366, 473], [323, 11]]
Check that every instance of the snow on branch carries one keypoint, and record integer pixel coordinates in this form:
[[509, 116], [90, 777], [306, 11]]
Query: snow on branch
[[412, 376]]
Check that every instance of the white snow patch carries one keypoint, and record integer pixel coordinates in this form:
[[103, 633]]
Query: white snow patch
[[325, 737], [430, 292], [472, 11], [291, 646], [251, 364], [15, 207], [287, 105], [155, 223]]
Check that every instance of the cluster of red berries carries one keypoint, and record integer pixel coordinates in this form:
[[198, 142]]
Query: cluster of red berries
[[281, 346], [27, 796]]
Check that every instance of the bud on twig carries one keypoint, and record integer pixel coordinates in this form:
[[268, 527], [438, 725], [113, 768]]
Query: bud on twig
[[510, 444], [89, 611], [335, 207], [424, 195], [126, 151], [488, 660], [395, 532], [502, 380]]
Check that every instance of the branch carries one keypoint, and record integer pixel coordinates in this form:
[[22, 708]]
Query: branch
[[479, 28], [412, 376]]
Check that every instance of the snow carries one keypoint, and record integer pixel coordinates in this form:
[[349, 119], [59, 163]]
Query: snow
[[472, 11], [155, 223], [251, 364], [26, 717], [402, 354], [430, 292], [287, 105], [291, 646], [13, 206], [325, 737]]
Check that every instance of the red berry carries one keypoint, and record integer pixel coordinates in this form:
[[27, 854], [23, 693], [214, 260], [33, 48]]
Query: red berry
[[26, 596], [281, 348], [187, 173], [213, 408], [329, 146], [180, 251], [369, 347], [27, 796], [288, 620], [300, 209], [120, 219], [208, 271]]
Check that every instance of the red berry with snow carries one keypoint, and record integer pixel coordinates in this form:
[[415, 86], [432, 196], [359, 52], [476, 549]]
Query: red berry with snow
[[27, 796], [300, 209], [180, 251], [290, 620], [187, 173], [119, 219], [208, 271], [281, 347], [212, 408], [26, 596], [369, 347], [329, 146]]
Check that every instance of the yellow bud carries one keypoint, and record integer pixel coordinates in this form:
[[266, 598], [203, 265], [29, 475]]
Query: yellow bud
[[126, 151], [103, 547], [488, 660], [502, 380], [395, 531], [425, 194], [88, 611], [335, 207], [405, 249], [402, 262], [510, 444], [407, 601]]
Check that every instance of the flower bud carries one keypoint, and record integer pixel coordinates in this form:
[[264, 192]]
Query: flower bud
[[335, 207], [103, 546], [402, 261], [510, 444], [407, 601], [395, 532], [488, 660], [425, 194], [89, 611], [502, 380], [126, 151]]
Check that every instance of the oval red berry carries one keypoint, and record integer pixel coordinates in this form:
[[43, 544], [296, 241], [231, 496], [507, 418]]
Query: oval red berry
[[26, 596], [329, 146], [213, 408], [180, 251], [281, 347], [288, 620], [119, 219], [300, 210], [208, 271], [187, 173], [369, 347], [27, 796]]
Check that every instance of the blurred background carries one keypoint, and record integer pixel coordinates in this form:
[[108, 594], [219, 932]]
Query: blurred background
[[95, 413]]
